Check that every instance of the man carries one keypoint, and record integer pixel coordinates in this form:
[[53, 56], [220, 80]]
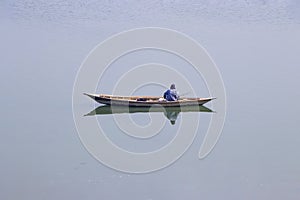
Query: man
[[171, 94]]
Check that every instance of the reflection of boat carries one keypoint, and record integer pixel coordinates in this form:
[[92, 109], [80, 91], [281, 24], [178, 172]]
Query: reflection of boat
[[103, 110], [170, 112], [146, 101]]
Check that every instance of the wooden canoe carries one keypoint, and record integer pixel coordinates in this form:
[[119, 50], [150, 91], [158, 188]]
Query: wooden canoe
[[145, 101]]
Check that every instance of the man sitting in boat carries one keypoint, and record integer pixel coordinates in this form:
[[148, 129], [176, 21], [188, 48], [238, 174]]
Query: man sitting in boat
[[171, 94]]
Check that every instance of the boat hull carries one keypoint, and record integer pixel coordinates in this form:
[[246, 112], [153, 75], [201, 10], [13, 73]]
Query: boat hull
[[146, 101]]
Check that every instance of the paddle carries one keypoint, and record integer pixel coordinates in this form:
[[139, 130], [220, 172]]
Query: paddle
[[183, 94]]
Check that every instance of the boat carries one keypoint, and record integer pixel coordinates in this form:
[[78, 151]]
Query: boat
[[146, 101]]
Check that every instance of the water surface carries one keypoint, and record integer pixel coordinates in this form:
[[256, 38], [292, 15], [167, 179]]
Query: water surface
[[255, 46]]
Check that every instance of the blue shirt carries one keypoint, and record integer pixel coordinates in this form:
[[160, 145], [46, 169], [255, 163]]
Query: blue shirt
[[171, 95]]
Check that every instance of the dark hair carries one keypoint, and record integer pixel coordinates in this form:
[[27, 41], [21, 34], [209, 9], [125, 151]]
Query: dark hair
[[172, 86]]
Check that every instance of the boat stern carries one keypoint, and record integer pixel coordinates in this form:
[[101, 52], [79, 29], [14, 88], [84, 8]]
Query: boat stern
[[93, 96]]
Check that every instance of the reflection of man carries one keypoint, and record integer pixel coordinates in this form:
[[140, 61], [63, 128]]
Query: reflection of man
[[171, 94], [172, 116]]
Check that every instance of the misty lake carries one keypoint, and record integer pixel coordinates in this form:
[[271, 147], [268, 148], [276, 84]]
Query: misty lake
[[255, 47]]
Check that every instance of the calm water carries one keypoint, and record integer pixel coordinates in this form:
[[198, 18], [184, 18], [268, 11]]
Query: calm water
[[256, 47]]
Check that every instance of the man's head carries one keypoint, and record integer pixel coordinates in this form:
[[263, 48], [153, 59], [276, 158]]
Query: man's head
[[172, 86]]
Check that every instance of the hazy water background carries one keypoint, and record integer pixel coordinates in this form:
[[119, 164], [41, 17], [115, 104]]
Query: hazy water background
[[256, 46]]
